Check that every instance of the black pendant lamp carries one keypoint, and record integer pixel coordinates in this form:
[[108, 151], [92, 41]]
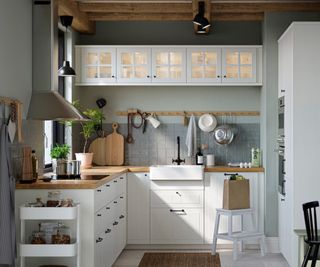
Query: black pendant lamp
[[200, 19], [66, 69]]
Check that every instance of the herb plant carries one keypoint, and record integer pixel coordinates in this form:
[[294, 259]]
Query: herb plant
[[60, 151]]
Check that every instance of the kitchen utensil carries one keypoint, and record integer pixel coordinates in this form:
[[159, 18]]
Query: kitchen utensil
[[11, 129], [207, 122], [210, 160], [115, 147], [67, 168], [223, 134], [153, 120], [98, 148], [27, 175], [132, 114]]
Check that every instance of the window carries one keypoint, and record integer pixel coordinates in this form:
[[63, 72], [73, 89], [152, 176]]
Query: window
[[54, 132]]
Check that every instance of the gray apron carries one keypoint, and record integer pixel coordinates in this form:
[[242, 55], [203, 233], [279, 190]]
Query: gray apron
[[7, 188]]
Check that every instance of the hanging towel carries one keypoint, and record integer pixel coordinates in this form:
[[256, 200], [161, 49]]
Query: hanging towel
[[7, 216], [191, 139]]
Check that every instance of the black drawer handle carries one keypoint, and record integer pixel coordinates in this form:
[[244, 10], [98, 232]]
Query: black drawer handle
[[107, 231], [178, 194], [99, 190], [115, 181], [115, 223], [121, 197], [107, 185], [227, 174], [107, 208], [172, 210], [121, 178], [121, 217], [99, 215], [115, 202], [99, 240]]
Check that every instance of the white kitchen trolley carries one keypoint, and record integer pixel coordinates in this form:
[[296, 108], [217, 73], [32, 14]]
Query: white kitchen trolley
[[49, 250]]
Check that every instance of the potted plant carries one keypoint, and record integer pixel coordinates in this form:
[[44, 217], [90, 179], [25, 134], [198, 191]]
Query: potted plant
[[59, 153], [89, 127]]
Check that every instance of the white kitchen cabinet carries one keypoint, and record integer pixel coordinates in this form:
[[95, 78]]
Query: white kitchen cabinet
[[96, 64], [176, 212], [203, 65], [239, 65], [300, 76], [169, 65], [214, 197], [134, 65], [138, 208]]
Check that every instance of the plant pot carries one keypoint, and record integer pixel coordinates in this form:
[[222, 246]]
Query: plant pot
[[86, 159]]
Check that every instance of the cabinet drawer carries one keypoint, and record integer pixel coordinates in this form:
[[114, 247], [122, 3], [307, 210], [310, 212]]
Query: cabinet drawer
[[103, 195], [177, 198], [103, 217], [177, 226]]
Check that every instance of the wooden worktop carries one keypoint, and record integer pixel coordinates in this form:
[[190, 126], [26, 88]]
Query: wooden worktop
[[110, 172]]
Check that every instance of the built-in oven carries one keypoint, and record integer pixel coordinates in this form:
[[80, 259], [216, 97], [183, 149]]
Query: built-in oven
[[281, 147]]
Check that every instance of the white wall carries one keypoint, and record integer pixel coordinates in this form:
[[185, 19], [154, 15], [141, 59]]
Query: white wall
[[16, 50]]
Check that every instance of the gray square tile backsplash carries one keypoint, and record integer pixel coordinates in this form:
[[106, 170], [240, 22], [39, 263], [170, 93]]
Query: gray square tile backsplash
[[158, 146]]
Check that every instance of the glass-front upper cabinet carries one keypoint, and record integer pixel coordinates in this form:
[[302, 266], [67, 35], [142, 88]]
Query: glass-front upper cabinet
[[239, 65], [204, 65], [98, 65], [169, 65], [134, 65]]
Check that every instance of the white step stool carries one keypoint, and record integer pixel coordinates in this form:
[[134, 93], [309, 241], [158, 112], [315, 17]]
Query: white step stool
[[236, 236]]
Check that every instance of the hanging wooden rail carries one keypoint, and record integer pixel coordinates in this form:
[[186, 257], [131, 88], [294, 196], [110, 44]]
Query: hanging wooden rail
[[195, 113], [18, 105]]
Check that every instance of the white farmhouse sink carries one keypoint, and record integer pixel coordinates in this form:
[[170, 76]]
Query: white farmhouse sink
[[176, 172]]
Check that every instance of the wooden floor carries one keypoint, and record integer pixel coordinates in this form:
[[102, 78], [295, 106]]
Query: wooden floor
[[248, 258], [159, 259]]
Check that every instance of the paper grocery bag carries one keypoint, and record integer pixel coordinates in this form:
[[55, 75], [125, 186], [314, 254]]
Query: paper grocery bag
[[236, 194]]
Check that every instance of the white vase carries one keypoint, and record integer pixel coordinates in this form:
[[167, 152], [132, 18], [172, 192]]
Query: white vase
[[85, 159]]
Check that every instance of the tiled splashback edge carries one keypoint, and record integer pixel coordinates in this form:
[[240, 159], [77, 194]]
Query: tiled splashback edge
[[159, 146]]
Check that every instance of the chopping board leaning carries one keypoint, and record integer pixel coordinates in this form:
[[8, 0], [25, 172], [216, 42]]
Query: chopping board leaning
[[98, 148], [115, 147]]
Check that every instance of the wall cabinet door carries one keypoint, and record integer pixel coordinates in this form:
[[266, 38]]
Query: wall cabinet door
[[138, 208], [176, 226], [169, 65], [98, 65], [204, 65], [239, 65], [214, 199], [134, 65]]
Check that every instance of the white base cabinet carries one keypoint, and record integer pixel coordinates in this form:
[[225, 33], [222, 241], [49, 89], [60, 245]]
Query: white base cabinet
[[102, 219]]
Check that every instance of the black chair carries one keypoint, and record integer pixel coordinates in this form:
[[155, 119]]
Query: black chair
[[310, 218]]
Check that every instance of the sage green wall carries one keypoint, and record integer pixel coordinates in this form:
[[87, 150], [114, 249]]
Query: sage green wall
[[273, 27]]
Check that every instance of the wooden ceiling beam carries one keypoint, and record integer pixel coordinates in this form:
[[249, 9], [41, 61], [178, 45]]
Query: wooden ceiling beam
[[136, 7], [264, 7], [171, 17], [81, 22]]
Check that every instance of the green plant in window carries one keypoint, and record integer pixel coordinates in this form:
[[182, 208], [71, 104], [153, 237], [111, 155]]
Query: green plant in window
[[60, 151]]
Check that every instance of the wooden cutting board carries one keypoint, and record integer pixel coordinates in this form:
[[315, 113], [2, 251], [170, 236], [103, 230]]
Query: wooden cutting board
[[114, 147], [98, 148]]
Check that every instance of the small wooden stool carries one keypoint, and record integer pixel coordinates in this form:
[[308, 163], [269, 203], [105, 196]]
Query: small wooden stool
[[236, 236]]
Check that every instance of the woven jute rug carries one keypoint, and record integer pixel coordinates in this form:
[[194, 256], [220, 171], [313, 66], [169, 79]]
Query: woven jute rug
[[179, 260]]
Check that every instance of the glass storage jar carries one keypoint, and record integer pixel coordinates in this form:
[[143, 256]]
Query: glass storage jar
[[54, 198], [61, 235], [37, 238]]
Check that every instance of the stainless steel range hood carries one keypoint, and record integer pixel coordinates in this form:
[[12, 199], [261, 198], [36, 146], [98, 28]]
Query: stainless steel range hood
[[46, 103], [51, 105]]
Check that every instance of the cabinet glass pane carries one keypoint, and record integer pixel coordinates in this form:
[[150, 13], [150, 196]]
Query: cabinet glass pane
[[175, 72], [245, 58], [210, 72], [232, 72], [126, 59], [92, 58], [91, 72], [246, 72], [127, 72], [175, 58], [105, 58], [140, 58], [232, 57], [197, 72], [105, 72], [162, 72], [196, 58], [162, 58], [210, 58], [140, 72]]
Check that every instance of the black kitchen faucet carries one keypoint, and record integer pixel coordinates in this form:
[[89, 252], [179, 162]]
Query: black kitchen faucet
[[178, 160]]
